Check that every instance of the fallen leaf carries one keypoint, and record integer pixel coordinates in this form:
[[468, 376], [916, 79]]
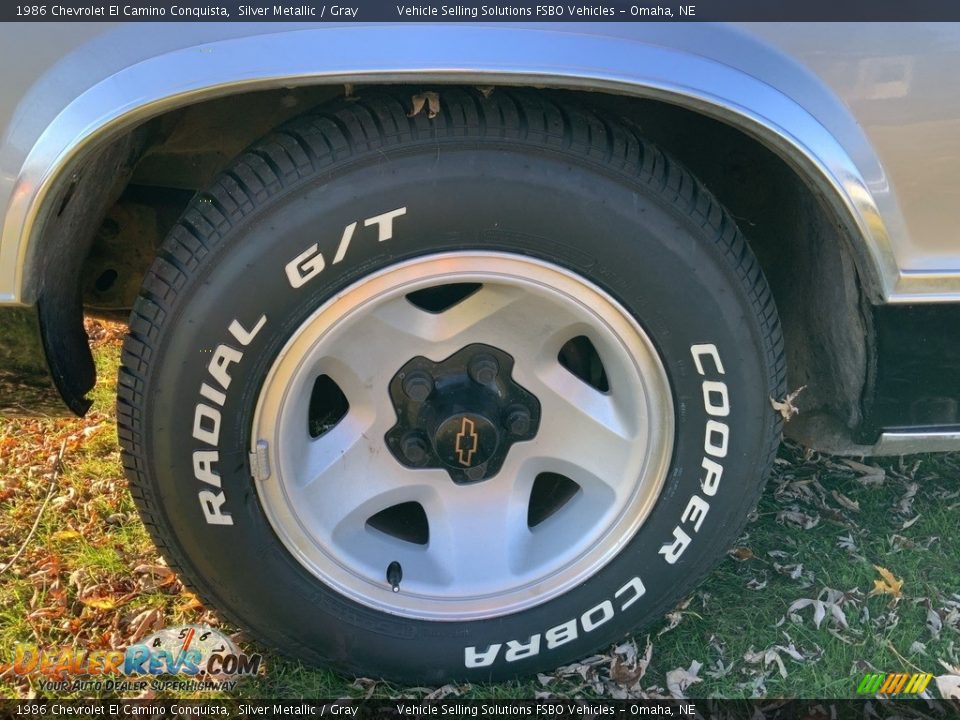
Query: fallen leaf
[[63, 501], [845, 501], [679, 680], [869, 475], [887, 585], [821, 607], [741, 553], [909, 522], [794, 517], [675, 616], [819, 611], [949, 686], [192, 602], [65, 535], [785, 407], [100, 603], [443, 692], [837, 612], [627, 669], [934, 623], [163, 574], [720, 670], [768, 657], [430, 99], [952, 618], [905, 504], [792, 651], [793, 572], [143, 624]]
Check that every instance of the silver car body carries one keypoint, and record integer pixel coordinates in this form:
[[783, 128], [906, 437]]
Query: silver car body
[[868, 113]]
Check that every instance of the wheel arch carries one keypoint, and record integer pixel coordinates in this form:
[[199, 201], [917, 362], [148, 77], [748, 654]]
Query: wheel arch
[[96, 140], [525, 57]]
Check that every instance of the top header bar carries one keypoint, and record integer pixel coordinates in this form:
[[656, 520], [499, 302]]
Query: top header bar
[[491, 11]]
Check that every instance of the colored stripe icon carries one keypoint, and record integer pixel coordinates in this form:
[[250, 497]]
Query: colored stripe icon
[[894, 683]]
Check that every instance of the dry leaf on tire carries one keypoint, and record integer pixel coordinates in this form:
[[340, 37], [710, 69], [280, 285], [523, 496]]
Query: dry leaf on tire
[[430, 99], [785, 407]]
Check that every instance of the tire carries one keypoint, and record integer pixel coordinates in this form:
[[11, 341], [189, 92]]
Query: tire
[[339, 209]]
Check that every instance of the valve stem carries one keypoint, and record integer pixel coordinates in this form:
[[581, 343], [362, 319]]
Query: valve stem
[[394, 575]]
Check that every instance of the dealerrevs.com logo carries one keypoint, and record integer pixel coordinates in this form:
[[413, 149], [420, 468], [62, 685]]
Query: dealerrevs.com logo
[[184, 658]]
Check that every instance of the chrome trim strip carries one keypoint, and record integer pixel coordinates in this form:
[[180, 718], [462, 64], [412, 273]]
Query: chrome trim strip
[[905, 443], [433, 54], [933, 286]]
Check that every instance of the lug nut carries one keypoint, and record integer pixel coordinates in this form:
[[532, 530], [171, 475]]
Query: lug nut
[[483, 368], [418, 386], [414, 449], [518, 421]]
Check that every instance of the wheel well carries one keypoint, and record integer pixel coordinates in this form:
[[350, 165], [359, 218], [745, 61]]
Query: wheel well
[[114, 228]]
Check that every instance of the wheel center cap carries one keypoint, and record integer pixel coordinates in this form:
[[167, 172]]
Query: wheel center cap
[[465, 441], [461, 414]]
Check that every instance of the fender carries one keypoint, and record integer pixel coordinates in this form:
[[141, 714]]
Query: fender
[[623, 61]]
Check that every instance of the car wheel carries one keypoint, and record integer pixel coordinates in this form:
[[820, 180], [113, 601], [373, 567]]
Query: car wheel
[[464, 397]]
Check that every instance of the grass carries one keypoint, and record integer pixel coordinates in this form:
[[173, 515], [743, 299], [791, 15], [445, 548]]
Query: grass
[[90, 577]]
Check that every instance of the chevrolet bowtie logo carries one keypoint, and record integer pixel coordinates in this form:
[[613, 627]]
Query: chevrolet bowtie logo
[[467, 440]]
